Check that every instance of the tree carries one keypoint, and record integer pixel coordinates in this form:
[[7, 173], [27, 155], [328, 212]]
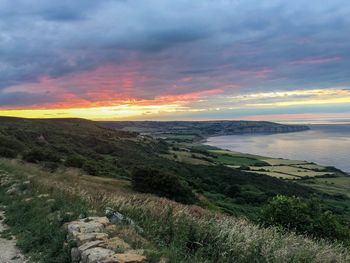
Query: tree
[[162, 184]]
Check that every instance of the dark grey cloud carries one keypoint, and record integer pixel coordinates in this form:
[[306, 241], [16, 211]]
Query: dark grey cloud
[[249, 43]]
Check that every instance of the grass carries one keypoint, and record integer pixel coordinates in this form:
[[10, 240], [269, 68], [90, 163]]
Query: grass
[[37, 224], [291, 170], [273, 161], [229, 158], [337, 185], [276, 174], [181, 233]]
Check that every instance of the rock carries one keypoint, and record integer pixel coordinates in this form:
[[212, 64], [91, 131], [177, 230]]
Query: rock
[[125, 258], [69, 213], [163, 260], [118, 218], [83, 238], [103, 220], [13, 190], [43, 196], [117, 244], [89, 245], [84, 227], [114, 217], [50, 201], [75, 254], [95, 255]]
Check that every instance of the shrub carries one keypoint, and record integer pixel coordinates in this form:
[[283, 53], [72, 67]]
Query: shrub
[[162, 184], [74, 161], [305, 217], [40, 155], [91, 167], [7, 153]]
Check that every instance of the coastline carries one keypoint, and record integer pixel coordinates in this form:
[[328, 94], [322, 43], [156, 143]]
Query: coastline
[[204, 142]]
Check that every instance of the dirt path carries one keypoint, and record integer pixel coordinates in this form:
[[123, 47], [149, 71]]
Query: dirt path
[[9, 253]]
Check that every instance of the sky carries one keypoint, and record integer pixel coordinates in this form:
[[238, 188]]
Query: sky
[[273, 60]]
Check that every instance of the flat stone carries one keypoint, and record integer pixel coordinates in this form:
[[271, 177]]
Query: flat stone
[[102, 220], [90, 245], [43, 196], [124, 258], [95, 255], [83, 238], [85, 227]]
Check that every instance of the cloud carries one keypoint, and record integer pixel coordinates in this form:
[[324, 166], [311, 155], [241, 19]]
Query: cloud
[[91, 52]]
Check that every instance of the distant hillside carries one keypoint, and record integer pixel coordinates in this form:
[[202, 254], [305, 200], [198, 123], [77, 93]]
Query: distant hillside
[[197, 130], [102, 151]]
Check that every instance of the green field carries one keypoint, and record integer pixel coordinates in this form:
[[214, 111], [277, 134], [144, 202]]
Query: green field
[[230, 158], [334, 186]]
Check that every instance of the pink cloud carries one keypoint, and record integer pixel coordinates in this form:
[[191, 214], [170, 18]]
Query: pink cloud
[[109, 85]]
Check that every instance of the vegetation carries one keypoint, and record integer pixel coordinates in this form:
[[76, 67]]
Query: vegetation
[[101, 151], [126, 168], [305, 217], [161, 184], [180, 233]]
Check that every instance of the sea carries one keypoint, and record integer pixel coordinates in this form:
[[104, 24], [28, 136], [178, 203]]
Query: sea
[[324, 144]]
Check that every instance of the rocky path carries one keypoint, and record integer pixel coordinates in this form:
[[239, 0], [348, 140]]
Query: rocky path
[[9, 253]]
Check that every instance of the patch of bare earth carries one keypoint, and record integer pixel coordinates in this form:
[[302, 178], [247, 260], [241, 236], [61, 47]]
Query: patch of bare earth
[[9, 253]]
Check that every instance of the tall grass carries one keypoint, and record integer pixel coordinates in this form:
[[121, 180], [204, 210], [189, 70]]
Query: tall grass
[[186, 233]]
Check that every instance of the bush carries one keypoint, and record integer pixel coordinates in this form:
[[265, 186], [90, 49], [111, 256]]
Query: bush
[[91, 167], [41, 155], [162, 184], [7, 153], [74, 161], [10, 143], [304, 217]]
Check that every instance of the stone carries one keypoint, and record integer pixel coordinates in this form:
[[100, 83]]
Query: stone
[[75, 254], [95, 255], [125, 258], [117, 244], [43, 196], [83, 238], [84, 227], [90, 244], [13, 190], [102, 220]]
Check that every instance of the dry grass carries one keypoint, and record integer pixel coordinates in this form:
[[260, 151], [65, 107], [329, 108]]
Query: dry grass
[[272, 161], [222, 238]]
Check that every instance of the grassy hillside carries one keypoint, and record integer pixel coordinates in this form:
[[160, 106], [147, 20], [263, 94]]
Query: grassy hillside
[[112, 153], [216, 180], [180, 233]]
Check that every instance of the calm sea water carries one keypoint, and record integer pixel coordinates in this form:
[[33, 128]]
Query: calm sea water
[[324, 144]]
